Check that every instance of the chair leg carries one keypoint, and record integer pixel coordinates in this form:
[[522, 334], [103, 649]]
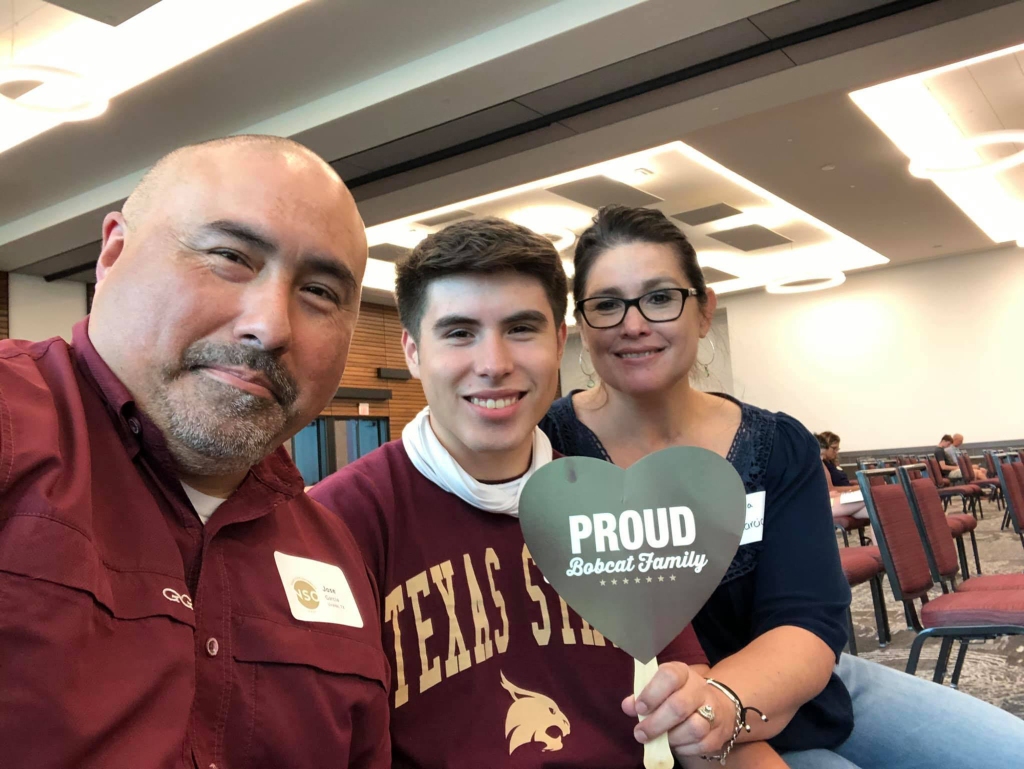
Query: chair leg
[[958, 666], [974, 546], [1006, 520], [853, 633], [864, 541], [885, 612], [915, 652], [846, 538], [943, 661], [881, 620], [913, 623], [962, 553]]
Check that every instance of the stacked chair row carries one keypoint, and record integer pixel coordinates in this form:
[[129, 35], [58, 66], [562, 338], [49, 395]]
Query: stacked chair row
[[1010, 472], [915, 540]]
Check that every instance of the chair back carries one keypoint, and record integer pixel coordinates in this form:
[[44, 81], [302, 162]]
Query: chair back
[[1011, 478], [934, 471], [899, 542], [966, 468], [990, 463], [926, 507], [1017, 472]]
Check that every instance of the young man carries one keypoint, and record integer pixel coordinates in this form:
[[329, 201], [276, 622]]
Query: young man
[[943, 455], [489, 666], [953, 450], [163, 576]]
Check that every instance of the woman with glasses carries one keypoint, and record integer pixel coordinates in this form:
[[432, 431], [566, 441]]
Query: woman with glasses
[[775, 627], [838, 481]]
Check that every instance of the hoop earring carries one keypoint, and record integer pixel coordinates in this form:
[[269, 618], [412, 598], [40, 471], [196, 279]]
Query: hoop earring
[[707, 373], [588, 374]]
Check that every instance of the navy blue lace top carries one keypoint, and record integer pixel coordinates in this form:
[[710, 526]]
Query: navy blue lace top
[[791, 577]]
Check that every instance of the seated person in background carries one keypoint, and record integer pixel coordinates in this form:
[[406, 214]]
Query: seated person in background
[[149, 614], [490, 667], [952, 451], [829, 443], [947, 462]]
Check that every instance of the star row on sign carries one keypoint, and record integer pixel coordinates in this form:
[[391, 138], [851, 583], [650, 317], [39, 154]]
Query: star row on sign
[[637, 580]]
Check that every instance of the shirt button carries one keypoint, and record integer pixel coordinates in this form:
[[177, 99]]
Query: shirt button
[[134, 426], [212, 647]]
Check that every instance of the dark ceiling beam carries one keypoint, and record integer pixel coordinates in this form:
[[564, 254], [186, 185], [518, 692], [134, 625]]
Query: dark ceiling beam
[[69, 271], [768, 46]]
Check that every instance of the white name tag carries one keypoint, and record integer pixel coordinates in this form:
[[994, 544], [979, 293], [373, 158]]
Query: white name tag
[[317, 591], [753, 529]]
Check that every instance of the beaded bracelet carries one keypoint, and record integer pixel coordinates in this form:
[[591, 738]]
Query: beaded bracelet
[[741, 720]]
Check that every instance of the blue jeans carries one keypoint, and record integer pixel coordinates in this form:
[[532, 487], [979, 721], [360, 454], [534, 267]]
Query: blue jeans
[[904, 722]]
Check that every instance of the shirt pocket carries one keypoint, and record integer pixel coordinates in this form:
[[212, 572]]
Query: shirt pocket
[[45, 548], [105, 661], [307, 699], [261, 640]]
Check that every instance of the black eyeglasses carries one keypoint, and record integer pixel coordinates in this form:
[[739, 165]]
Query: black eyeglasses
[[659, 306]]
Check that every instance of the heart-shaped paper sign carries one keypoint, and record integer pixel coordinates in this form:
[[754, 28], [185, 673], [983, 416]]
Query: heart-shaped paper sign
[[635, 552]]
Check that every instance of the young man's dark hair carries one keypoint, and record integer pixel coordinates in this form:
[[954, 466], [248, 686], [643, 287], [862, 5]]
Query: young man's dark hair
[[947, 438], [486, 246]]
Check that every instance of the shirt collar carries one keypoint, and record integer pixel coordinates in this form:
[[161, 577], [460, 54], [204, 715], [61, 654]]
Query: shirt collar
[[137, 431]]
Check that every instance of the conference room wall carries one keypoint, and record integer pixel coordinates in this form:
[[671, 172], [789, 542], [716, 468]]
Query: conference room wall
[[893, 357], [40, 310]]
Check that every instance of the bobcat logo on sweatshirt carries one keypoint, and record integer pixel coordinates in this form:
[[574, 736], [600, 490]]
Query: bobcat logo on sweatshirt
[[530, 718]]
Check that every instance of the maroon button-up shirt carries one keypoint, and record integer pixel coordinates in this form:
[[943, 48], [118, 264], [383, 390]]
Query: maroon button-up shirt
[[133, 636]]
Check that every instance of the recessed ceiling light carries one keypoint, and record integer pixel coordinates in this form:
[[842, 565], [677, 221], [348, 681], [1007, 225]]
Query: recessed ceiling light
[[561, 238], [828, 167], [804, 284], [556, 222], [955, 163], [928, 132], [66, 94], [112, 60]]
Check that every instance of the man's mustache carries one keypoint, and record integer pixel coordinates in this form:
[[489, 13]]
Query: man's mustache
[[206, 354]]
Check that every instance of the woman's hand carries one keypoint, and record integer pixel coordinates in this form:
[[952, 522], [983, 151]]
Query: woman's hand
[[670, 702]]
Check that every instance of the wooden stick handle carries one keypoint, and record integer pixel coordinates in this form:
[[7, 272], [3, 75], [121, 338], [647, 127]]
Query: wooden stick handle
[[657, 753]]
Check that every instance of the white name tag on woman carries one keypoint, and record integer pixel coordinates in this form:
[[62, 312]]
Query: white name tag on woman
[[753, 529]]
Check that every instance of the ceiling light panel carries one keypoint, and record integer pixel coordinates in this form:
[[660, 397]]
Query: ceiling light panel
[[112, 12], [113, 59], [699, 216], [598, 191], [677, 178], [752, 237], [956, 126]]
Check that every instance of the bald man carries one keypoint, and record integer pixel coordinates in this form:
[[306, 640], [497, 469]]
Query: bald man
[[169, 596]]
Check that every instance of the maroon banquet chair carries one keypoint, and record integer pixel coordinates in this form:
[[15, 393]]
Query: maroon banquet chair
[[970, 478], [958, 616], [993, 475], [934, 531], [958, 523], [969, 495], [860, 565], [1011, 475], [844, 524]]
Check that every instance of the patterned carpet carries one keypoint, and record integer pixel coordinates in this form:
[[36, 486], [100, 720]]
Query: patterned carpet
[[994, 670]]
